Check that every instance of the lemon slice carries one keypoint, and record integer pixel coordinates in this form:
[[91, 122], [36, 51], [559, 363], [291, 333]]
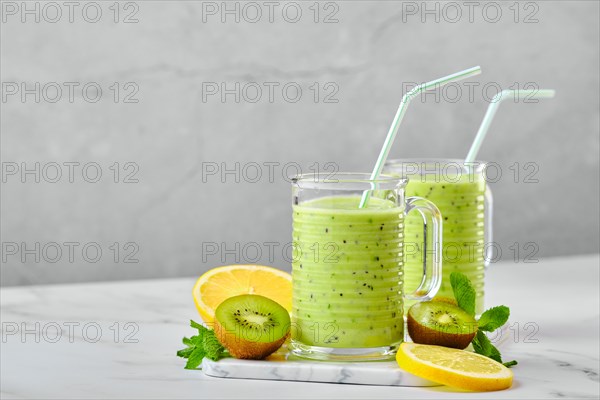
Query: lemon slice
[[219, 284], [458, 368]]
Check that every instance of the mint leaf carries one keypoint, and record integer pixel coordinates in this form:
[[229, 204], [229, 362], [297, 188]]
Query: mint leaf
[[204, 344], [494, 318], [213, 348], [185, 353], [198, 326], [483, 346], [192, 345], [195, 358], [193, 341], [463, 292]]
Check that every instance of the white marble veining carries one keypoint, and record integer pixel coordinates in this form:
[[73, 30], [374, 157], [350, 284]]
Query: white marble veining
[[554, 335]]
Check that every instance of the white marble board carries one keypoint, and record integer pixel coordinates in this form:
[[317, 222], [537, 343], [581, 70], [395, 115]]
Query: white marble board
[[384, 373]]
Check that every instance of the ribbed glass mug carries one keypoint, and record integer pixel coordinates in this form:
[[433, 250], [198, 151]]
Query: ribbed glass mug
[[347, 265], [465, 201]]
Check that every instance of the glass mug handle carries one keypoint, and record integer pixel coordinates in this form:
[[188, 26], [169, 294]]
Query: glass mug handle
[[432, 276]]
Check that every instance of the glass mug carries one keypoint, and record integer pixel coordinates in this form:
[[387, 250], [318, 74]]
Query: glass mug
[[347, 265], [462, 196]]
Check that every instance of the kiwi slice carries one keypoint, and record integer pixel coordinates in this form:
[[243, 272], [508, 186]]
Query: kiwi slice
[[440, 323], [251, 326]]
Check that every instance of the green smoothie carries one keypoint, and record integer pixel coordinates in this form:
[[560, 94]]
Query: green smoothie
[[347, 273], [460, 199]]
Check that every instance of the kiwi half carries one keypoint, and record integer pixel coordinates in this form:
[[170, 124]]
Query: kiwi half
[[443, 299], [440, 323], [251, 326]]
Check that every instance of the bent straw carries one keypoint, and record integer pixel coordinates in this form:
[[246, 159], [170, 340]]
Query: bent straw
[[389, 140], [491, 112]]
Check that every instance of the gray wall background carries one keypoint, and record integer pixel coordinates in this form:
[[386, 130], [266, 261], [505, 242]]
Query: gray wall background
[[171, 133]]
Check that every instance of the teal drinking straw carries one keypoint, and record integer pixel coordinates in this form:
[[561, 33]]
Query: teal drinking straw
[[491, 112], [389, 140]]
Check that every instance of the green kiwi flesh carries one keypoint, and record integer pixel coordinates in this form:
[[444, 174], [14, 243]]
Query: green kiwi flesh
[[251, 326], [442, 324]]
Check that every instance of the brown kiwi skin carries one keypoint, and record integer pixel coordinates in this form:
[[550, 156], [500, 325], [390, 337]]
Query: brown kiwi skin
[[245, 349], [424, 335]]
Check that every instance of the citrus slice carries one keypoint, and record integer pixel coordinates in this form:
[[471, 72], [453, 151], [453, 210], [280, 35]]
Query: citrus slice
[[458, 368], [219, 284]]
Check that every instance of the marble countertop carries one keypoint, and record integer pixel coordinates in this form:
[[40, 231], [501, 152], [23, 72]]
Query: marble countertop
[[118, 340]]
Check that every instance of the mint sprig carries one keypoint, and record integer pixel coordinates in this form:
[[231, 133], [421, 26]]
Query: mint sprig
[[204, 344], [490, 320]]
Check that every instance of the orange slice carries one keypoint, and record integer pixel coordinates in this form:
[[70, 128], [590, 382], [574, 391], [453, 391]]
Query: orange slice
[[221, 283]]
